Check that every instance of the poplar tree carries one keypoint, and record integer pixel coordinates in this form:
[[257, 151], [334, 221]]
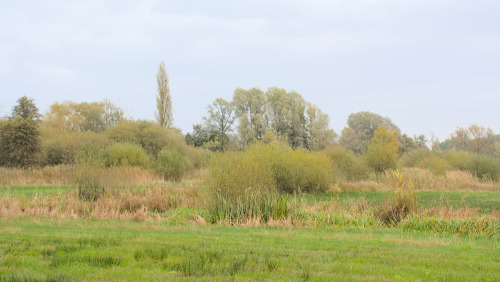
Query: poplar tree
[[164, 114]]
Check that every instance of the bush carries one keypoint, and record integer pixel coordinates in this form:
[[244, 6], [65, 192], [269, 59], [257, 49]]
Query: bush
[[382, 153], [87, 179], [400, 206], [483, 167], [125, 154], [247, 180], [347, 165], [458, 159], [436, 165], [411, 159], [170, 164]]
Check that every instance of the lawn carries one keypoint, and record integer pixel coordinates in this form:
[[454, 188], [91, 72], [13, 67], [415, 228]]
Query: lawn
[[56, 249]]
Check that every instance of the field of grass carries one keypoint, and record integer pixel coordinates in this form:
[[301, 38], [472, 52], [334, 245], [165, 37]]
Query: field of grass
[[60, 250]]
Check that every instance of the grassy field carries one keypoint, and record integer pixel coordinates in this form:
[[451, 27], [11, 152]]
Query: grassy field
[[60, 250]]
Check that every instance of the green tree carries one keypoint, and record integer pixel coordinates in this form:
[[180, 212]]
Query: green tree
[[20, 135], [220, 120], [285, 115], [164, 113], [250, 111], [319, 135], [382, 153]]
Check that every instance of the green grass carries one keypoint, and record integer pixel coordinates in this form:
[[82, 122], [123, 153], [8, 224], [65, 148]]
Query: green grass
[[61, 250], [32, 190]]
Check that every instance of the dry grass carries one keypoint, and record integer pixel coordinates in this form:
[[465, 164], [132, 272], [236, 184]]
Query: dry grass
[[127, 204], [63, 174], [424, 179]]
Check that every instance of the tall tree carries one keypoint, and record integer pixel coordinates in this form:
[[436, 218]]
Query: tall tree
[[220, 120], [20, 135], [319, 133], [475, 139], [250, 111], [164, 113]]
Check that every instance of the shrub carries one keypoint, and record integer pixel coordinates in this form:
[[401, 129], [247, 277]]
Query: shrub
[[170, 164], [484, 167], [411, 159], [251, 180], [458, 159], [347, 165], [125, 154], [382, 153], [87, 179], [400, 206], [436, 165]]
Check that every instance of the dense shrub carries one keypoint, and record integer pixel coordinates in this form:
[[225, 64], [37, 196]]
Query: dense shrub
[[483, 167], [125, 154], [88, 180], [382, 153], [411, 159], [347, 165], [240, 179], [458, 159], [170, 164], [436, 165]]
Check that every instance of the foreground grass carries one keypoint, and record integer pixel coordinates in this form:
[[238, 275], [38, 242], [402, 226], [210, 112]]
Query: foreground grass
[[44, 249]]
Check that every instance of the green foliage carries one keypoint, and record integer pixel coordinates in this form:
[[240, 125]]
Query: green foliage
[[170, 164], [164, 114], [258, 174], [382, 152], [412, 158], [126, 154], [486, 226], [26, 109], [484, 167], [19, 143], [458, 159], [435, 164], [347, 165]]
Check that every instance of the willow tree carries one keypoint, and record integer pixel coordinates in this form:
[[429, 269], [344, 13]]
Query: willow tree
[[164, 113]]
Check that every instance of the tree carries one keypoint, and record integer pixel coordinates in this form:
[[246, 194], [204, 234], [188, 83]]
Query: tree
[[364, 125], [382, 153], [250, 107], [475, 139], [285, 114], [318, 132], [220, 120], [164, 114], [80, 117], [20, 135], [26, 109]]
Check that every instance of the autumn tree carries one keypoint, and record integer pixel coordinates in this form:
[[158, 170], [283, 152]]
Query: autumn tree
[[20, 135], [475, 139], [363, 125], [220, 120], [382, 153], [80, 117], [319, 134], [164, 113]]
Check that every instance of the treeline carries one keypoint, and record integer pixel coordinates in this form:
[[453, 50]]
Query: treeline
[[69, 132]]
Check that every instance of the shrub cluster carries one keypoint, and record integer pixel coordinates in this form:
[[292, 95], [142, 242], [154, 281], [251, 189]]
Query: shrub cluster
[[126, 154], [170, 164], [265, 170], [347, 165]]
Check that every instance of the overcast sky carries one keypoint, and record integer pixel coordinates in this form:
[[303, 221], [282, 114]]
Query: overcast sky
[[429, 65]]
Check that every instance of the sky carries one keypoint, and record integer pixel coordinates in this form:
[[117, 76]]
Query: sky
[[429, 65]]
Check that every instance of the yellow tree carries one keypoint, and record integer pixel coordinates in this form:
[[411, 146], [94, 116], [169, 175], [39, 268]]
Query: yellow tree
[[382, 152]]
